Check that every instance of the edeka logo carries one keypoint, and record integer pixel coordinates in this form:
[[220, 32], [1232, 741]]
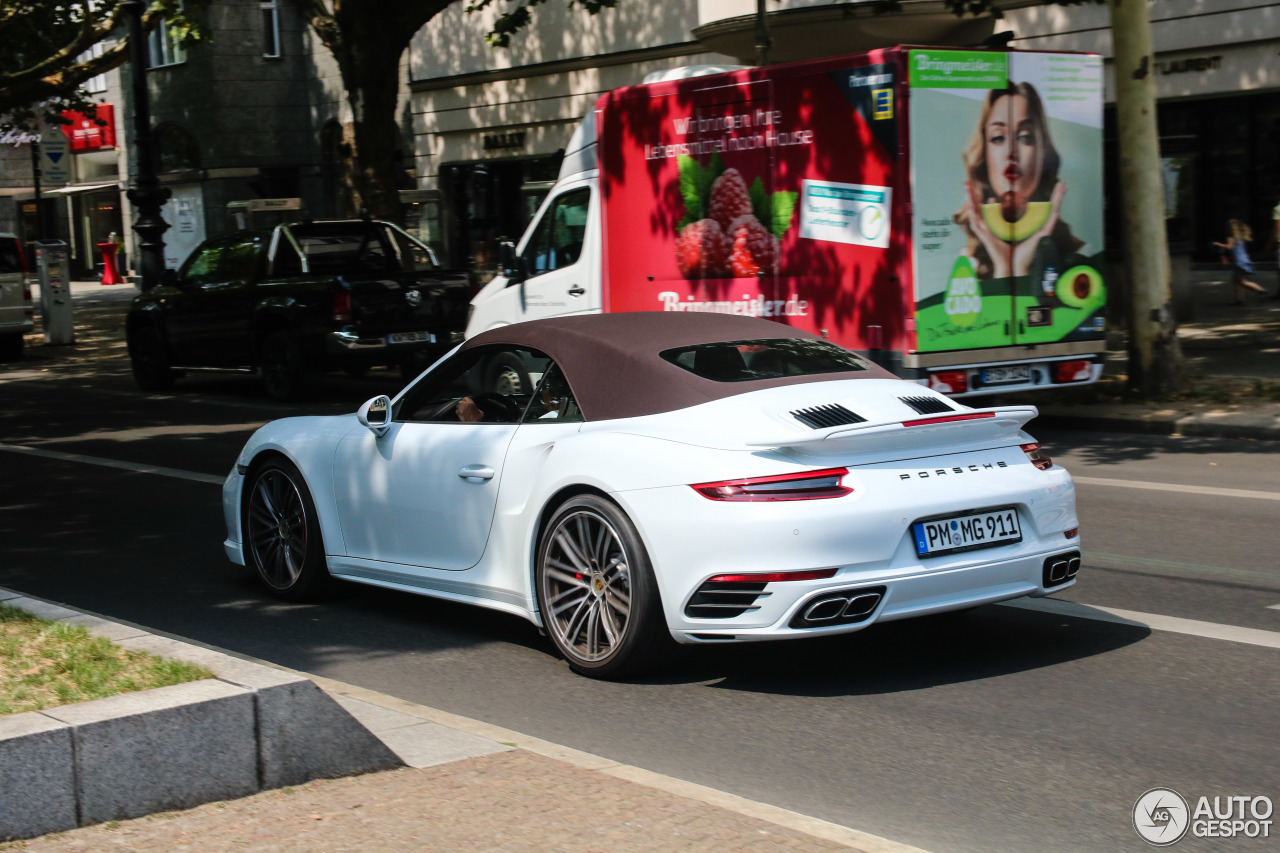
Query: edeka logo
[[963, 302]]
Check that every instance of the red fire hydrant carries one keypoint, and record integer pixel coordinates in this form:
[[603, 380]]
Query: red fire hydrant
[[110, 274]]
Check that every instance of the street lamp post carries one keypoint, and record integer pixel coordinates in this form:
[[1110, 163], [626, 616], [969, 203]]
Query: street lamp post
[[147, 195]]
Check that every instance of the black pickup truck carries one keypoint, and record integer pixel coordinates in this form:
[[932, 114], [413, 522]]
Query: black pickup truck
[[296, 300]]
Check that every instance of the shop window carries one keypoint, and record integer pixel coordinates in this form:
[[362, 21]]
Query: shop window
[[270, 28], [177, 148]]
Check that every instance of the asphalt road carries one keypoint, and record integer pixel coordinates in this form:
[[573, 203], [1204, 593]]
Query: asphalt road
[[1001, 729]]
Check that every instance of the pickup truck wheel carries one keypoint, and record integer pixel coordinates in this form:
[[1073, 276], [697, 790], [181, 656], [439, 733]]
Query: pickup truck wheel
[[11, 348], [284, 373], [149, 361]]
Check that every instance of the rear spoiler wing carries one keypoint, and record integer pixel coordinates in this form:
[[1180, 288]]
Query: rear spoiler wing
[[961, 427]]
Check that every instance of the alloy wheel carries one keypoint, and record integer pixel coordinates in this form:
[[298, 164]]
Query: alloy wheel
[[277, 532], [587, 586]]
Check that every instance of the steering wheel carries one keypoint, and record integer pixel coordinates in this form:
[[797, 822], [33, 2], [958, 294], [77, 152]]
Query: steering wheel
[[497, 408]]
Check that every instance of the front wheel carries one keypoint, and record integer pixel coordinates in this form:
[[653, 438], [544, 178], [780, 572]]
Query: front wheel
[[597, 593], [282, 534]]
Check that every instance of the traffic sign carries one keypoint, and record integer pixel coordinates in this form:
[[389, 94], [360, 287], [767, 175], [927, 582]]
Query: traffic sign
[[55, 159]]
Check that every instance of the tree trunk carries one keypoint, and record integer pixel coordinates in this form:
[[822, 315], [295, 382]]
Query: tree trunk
[[369, 60], [1155, 357]]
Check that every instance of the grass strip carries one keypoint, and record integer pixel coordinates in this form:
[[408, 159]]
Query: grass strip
[[44, 664]]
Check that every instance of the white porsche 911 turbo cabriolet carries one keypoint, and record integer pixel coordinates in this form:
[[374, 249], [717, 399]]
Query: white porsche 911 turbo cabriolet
[[626, 480]]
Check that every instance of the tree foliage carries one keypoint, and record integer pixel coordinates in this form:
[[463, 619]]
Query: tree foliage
[[46, 51]]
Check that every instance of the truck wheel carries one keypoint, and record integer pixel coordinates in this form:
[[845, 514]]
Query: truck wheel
[[11, 348], [149, 361], [506, 375], [284, 373]]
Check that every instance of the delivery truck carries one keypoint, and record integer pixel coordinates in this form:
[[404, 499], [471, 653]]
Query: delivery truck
[[937, 209]]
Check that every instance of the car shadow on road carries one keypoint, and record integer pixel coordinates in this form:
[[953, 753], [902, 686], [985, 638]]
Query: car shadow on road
[[1116, 448], [914, 654]]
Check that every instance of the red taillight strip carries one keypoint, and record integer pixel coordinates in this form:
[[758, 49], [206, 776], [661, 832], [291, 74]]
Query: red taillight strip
[[774, 577], [948, 419], [766, 488]]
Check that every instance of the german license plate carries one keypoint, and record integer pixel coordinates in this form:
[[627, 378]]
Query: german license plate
[[411, 338], [967, 532], [1010, 373]]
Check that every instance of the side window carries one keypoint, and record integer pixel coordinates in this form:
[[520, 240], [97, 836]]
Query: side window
[[469, 389], [240, 260], [202, 264], [553, 402], [557, 241]]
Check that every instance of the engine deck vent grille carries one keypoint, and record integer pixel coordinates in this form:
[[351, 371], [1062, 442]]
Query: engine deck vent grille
[[928, 405], [820, 417]]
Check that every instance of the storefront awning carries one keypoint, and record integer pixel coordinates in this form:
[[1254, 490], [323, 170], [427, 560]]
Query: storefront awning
[[82, 188]]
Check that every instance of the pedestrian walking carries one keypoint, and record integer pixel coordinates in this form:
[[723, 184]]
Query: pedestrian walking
[[1238, 234]]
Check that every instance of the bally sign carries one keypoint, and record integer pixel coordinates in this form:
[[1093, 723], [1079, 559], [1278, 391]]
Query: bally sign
[[514, 139]]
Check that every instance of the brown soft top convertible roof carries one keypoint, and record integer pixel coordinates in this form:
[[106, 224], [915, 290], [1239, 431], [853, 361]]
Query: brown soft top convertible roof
[[613, 366]]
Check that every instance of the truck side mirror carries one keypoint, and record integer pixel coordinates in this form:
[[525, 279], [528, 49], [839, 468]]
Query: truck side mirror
[[511, 263]]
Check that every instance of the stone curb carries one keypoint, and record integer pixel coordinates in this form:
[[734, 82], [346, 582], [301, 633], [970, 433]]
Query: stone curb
[[250, 729]]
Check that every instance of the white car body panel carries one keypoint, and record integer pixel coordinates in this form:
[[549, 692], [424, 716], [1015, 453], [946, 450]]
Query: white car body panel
[[367, 490]]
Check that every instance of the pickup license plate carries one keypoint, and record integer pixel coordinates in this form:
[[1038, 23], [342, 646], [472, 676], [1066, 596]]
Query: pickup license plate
[[1002, 375], [967, 532], [411, 338]]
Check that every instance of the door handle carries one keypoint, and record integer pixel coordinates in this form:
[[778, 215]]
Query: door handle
[[476, 472], [576, 290]]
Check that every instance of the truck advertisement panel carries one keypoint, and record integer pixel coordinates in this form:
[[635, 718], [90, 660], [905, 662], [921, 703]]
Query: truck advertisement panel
[[1006, 176], [768, 197]]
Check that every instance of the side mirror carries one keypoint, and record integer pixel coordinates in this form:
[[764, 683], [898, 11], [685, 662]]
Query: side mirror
[[169, 278], [512, 264], [376, 414]]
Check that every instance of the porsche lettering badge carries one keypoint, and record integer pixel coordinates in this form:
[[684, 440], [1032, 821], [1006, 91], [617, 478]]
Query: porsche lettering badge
[[965, 469]]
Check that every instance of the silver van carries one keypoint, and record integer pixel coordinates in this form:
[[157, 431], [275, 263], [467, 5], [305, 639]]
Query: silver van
[[16, 311]]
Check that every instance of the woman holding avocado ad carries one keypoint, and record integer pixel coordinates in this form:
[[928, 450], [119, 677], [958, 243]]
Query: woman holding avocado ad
[[1012, 191]]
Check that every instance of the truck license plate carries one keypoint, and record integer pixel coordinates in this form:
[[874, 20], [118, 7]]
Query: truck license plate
[[411, 338], [967, 532], [1007, 374]]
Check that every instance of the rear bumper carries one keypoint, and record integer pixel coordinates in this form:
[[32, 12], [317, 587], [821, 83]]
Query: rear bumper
[[903, 597]]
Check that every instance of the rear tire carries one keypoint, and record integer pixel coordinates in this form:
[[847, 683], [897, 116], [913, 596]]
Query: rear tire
[[149, 361], [597, 593], [282, 541], [11, 348], [284, 373]]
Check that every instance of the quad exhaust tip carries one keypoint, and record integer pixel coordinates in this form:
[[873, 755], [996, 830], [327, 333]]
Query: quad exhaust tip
[[840, 607], [1061, 568]]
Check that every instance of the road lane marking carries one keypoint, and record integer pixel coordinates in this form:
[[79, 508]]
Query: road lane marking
[[1172, 624], [114, 463], [1273, 606], [1175, 487]]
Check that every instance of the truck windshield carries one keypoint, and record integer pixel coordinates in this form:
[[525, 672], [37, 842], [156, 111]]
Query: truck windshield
[[740, 361]]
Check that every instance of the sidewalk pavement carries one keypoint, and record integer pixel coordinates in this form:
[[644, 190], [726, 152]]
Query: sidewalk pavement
[[466, 785]]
